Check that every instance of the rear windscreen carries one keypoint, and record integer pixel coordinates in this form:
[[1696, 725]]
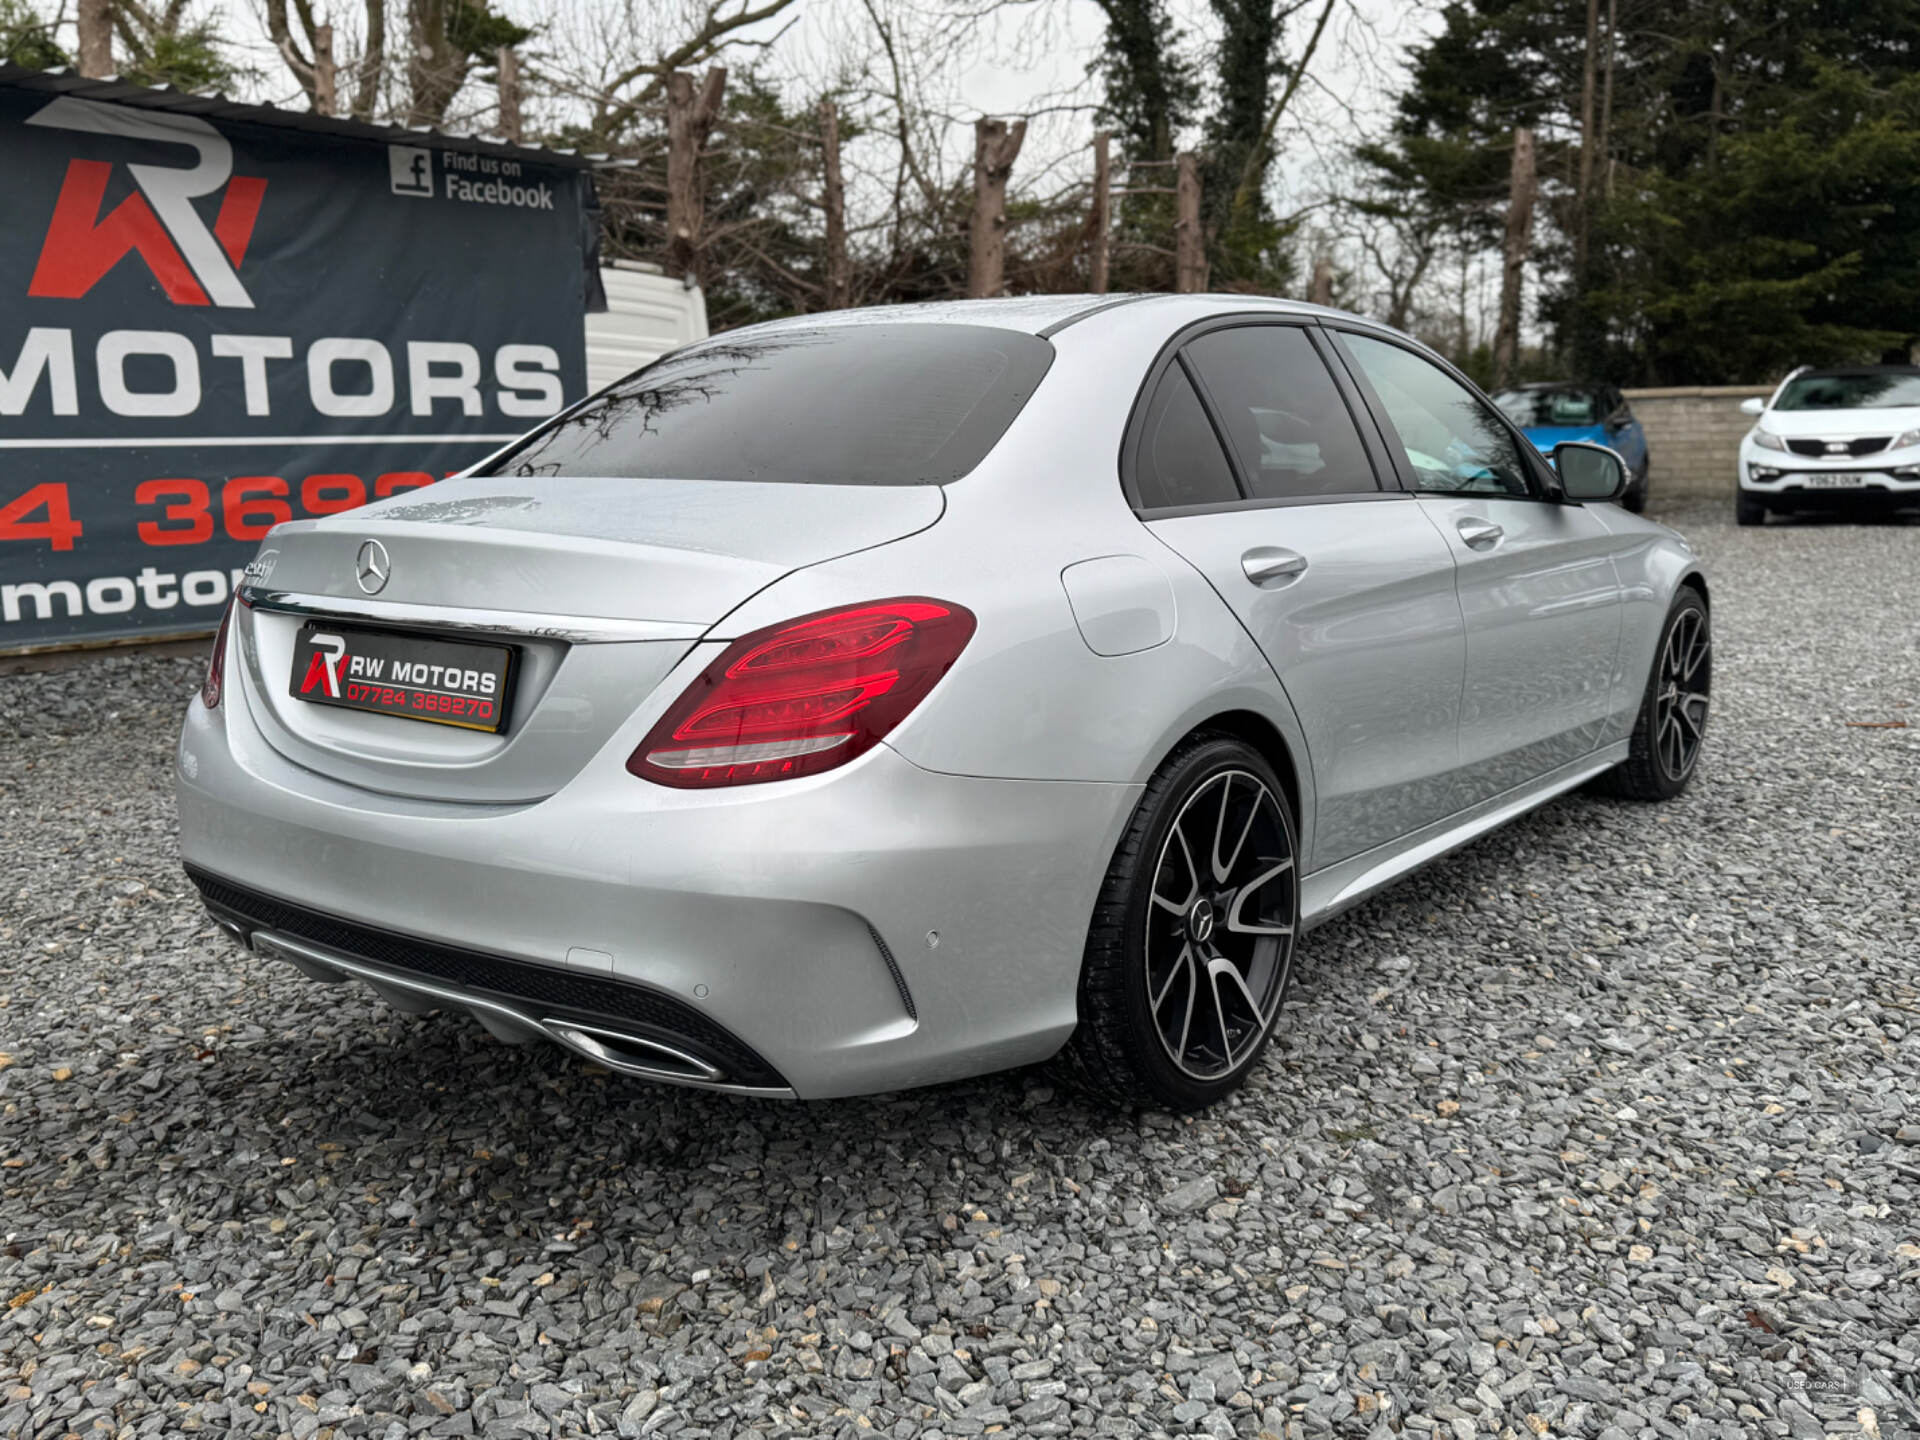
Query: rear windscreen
[[865, 404]]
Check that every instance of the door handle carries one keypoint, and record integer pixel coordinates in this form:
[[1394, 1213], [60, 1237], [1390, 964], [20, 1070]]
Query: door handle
[[1269, 565], [1479, 534]]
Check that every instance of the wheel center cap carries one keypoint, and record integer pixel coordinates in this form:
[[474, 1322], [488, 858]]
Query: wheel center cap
[[1200, 921]]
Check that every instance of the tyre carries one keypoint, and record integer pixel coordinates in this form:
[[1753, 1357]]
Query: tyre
[[1748, 509], [1191, 945], [1672, 724]]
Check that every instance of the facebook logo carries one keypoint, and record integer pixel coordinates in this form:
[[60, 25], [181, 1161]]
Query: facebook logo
[[410, 169]]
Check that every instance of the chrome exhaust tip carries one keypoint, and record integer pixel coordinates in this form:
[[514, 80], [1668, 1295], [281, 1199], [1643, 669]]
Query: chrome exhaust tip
[[632, 1054], [235, 930]]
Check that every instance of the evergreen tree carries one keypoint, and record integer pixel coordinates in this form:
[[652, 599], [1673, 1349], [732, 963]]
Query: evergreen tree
[[1246, 246], [27, 39], [1755, 199]]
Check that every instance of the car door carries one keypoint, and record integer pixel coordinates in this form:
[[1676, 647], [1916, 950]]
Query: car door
[[1538, 587], [1344, 584]]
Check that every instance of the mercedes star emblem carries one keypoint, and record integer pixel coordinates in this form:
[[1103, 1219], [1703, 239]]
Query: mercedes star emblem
[[371, 567]]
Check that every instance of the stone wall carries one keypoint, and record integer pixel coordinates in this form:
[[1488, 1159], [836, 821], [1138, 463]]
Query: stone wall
[[1693, 438]]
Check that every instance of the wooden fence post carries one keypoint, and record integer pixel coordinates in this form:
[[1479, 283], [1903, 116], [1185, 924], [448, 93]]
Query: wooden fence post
[[1189, 242], [690, 117], [834, 199], [509, 82], [1506, 335], [1100, 222], [996, 145]]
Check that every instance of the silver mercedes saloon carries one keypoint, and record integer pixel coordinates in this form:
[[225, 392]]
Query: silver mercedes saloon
[[872, 699]]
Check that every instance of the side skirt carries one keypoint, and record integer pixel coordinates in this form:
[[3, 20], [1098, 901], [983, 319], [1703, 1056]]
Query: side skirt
[[1326, 893]]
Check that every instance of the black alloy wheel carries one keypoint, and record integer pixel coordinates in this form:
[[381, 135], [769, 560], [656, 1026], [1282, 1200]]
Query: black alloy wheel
[[1682, 687], [1672, 724], [1192, 942]]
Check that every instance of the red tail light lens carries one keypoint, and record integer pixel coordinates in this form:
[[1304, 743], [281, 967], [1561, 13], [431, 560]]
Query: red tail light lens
[[799, 698], [217, 662]]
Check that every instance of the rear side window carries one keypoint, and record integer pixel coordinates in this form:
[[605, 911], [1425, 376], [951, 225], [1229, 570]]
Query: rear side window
[[863, 404], [1284, 417], [1180, 461]]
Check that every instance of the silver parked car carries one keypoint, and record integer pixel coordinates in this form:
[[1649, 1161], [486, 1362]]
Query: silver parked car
[[872, 699]]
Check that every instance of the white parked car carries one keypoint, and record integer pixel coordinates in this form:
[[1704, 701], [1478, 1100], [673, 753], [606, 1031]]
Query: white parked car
[[1841, 439]]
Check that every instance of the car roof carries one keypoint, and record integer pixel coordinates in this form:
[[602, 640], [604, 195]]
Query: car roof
[[1042, 315]]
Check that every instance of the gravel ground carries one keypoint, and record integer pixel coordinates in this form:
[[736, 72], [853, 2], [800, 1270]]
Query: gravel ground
[[1604, 1127]]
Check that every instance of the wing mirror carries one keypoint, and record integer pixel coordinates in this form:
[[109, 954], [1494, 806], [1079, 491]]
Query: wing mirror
[[1589, 472], [1753, 405]]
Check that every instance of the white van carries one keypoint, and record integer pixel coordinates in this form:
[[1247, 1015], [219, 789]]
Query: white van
[[647, 315]]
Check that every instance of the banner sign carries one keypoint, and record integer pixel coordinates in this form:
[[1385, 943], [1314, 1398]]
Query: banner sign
[[206, 329]]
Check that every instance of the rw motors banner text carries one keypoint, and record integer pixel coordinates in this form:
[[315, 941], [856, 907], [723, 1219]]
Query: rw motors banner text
[[206, 330]]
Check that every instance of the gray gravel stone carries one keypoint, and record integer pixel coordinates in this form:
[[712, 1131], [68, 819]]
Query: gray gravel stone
[[1672, 1191]]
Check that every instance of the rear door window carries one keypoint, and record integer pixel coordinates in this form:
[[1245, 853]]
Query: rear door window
[[1284, 417], [1179, 461], [855, 404]]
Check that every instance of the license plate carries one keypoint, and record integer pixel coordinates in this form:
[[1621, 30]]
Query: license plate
[[1833, 481], [446, 682]]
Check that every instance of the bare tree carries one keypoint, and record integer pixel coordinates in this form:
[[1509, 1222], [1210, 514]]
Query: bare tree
[[436, 67], [95, 21], [690, 117], [833, 200], [1402, 249], [641, 83], [508, 69], [325, 79], [311, 54], [374, 62], [996, 147], [801, 211]]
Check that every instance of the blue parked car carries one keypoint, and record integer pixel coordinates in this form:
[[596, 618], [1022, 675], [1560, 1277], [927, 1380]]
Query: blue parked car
[[1556, 411]]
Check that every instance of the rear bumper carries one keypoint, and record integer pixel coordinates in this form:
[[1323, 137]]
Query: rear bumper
[[796, 921], [630, 1027]]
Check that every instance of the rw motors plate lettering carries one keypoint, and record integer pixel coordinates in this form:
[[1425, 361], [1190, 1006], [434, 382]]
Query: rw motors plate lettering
[[443, 682]]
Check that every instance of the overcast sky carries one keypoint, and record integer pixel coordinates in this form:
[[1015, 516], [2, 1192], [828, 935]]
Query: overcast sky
[[1022, 57]]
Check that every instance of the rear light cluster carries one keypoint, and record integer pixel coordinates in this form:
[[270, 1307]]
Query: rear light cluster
[[805, 696], [217, 662]]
